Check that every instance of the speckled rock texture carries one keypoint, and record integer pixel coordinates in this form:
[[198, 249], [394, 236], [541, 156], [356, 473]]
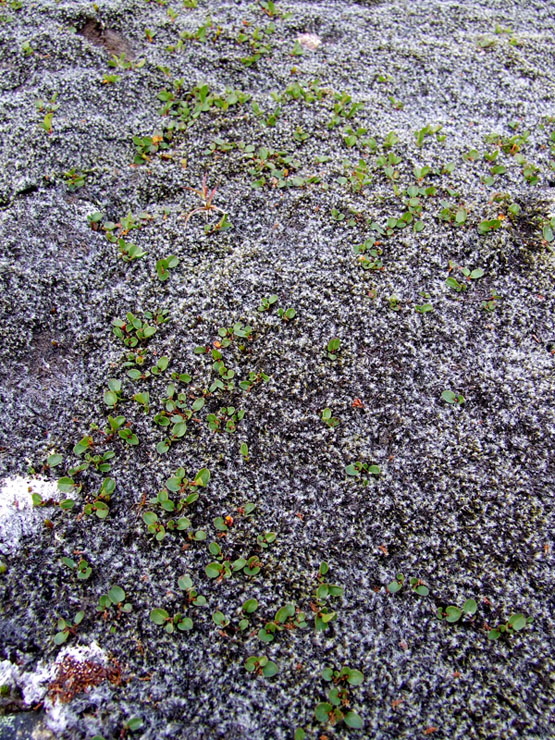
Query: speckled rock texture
[[391, 180]]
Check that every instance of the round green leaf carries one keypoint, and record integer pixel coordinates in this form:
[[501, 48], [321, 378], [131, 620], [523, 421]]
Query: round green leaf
[[270, 669], [116, 594], [453, 614], [355, 678], [159, 616], [322, 711], [353, 720], [250, 606], [517, 621]]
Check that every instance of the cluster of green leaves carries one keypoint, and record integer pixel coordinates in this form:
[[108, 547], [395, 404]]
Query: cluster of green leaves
[[258, 42], [452, 398], [132, 330], [453, 614], [337, 707], [415, 584], [65, 628], [344, 109], [261, 666], [81, 568], [515, 623], [428, 130], [222, 568], [360, 470], [328, 419], [369, 254], [324, 592], [185, 494], [286, 618], [272, 167]]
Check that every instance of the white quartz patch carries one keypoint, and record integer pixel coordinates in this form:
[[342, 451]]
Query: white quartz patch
[[18, 517], [34, 684]]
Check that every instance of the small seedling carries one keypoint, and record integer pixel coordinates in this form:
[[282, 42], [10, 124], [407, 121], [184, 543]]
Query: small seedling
[[356, 470], [333, 348], [179, 620], [452, 614], [452, 398], [286, 314], [164, 266], [261, 666], [328, 419], [65, 629], [113, 603], [81, 568], [267, 303], [207, 196], [515, 623]]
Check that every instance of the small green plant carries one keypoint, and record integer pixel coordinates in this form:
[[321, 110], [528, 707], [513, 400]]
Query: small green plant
[[74, 179], [163, 267], [415, 583], [452, 398], [261, 666], [133, 330], [113, 603], [428, 130], [65, 628], [286, 618], [515, 623], [337, 708], [178, 621], [359, 469], [267, 303], [328, 419], [324, 590], [82, 568], [453, 614], [485, 226], [333, 348]]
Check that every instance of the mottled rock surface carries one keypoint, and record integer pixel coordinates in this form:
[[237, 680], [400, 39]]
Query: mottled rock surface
[[386, 169]]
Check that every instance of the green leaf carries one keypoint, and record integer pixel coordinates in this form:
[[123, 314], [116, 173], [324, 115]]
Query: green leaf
[[300, 734], [353, 720], [322, 711], [66, 485], [54, 460], [270, 669], [470, 607], [185, 624], [494, 634], [250, 606], [202, 477], [351, 470], [149, 517], [517, 621], [159, 616], [548, 233], [477, 273], [116, 594], [453, 614], [355, 677], [213, 570], [110, 398], [60, 637], [394, 586], [449, 396], [460, 216], [135, 723]]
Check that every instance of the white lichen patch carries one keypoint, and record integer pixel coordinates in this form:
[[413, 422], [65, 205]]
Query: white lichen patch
[[18, 517], [34, 685]]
